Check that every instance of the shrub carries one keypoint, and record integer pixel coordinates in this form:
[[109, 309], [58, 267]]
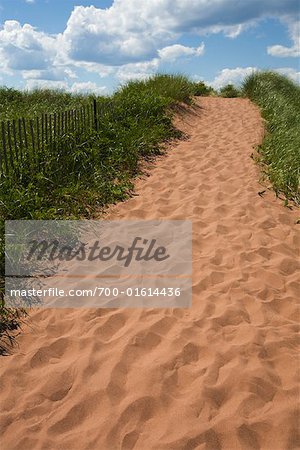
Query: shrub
[[229, 91], [201, 89]]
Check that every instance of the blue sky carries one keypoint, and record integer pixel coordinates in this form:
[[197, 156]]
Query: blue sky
[[96, 45]]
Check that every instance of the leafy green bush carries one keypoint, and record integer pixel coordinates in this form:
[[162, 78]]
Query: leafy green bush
[[279, 100], [229, 91], [201, 89]]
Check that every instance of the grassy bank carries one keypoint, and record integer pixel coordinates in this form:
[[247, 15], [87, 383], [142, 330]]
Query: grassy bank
[[279, 100], [91, 168], [15, 104]]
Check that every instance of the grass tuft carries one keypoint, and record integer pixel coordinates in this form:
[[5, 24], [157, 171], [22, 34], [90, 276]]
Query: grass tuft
[[10, 323], [201, 89], [279, 100], [230, 91]]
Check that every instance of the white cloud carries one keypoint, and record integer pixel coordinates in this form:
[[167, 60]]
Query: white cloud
[[24, 48], [231, 76], [176, 51], [132, 30], [70, 73], [30, 1], [51, 74], [87, 87], [281, 51], [294, 50], [291, 73], [46, 84], [77, 87], [101, 70], [235, 30], [108, 36], [197, 78], [132, 37], [236, 76], [137, 71], [230, 31]]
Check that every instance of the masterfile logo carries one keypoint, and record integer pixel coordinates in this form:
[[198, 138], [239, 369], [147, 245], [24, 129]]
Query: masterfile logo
[[99, 263]]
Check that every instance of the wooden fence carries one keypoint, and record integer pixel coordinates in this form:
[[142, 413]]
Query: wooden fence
[[26, 139]]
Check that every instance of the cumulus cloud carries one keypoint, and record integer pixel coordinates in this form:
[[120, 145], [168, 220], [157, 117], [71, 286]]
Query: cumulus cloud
[[132, 37], [284, 52], [108, 36], [77, 87], [231, 76], [291, 73], [137, 71], [101, 70], [35, 55], [132, 30], [51, 74], [87, 87], [24, 48], [294, 50], [46, 84], [237, 75], [176, 51]]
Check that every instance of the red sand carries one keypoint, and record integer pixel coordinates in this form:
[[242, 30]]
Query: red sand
[[222, 375]]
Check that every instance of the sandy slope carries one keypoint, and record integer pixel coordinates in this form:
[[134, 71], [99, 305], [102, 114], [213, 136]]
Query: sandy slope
[[219, 376]]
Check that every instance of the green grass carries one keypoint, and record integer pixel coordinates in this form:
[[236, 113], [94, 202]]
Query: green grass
[[230, 91], [279, 101], [172, 88], [201, 89], [10, 324], [90, 169], [15, 104]]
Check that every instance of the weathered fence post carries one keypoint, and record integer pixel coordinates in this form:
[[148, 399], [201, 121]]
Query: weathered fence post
[[20, 138], [15, 139], [10, 146], [95, 114], [4, 147], [32, 140]]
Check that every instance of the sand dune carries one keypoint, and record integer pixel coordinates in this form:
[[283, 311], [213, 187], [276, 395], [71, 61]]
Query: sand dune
[[221, 375]]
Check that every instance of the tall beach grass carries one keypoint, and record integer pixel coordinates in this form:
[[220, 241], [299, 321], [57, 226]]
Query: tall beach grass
[[279, 101], [15, 103]]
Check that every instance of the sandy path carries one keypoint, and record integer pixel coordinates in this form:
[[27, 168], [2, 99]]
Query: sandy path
[[221, 375]]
